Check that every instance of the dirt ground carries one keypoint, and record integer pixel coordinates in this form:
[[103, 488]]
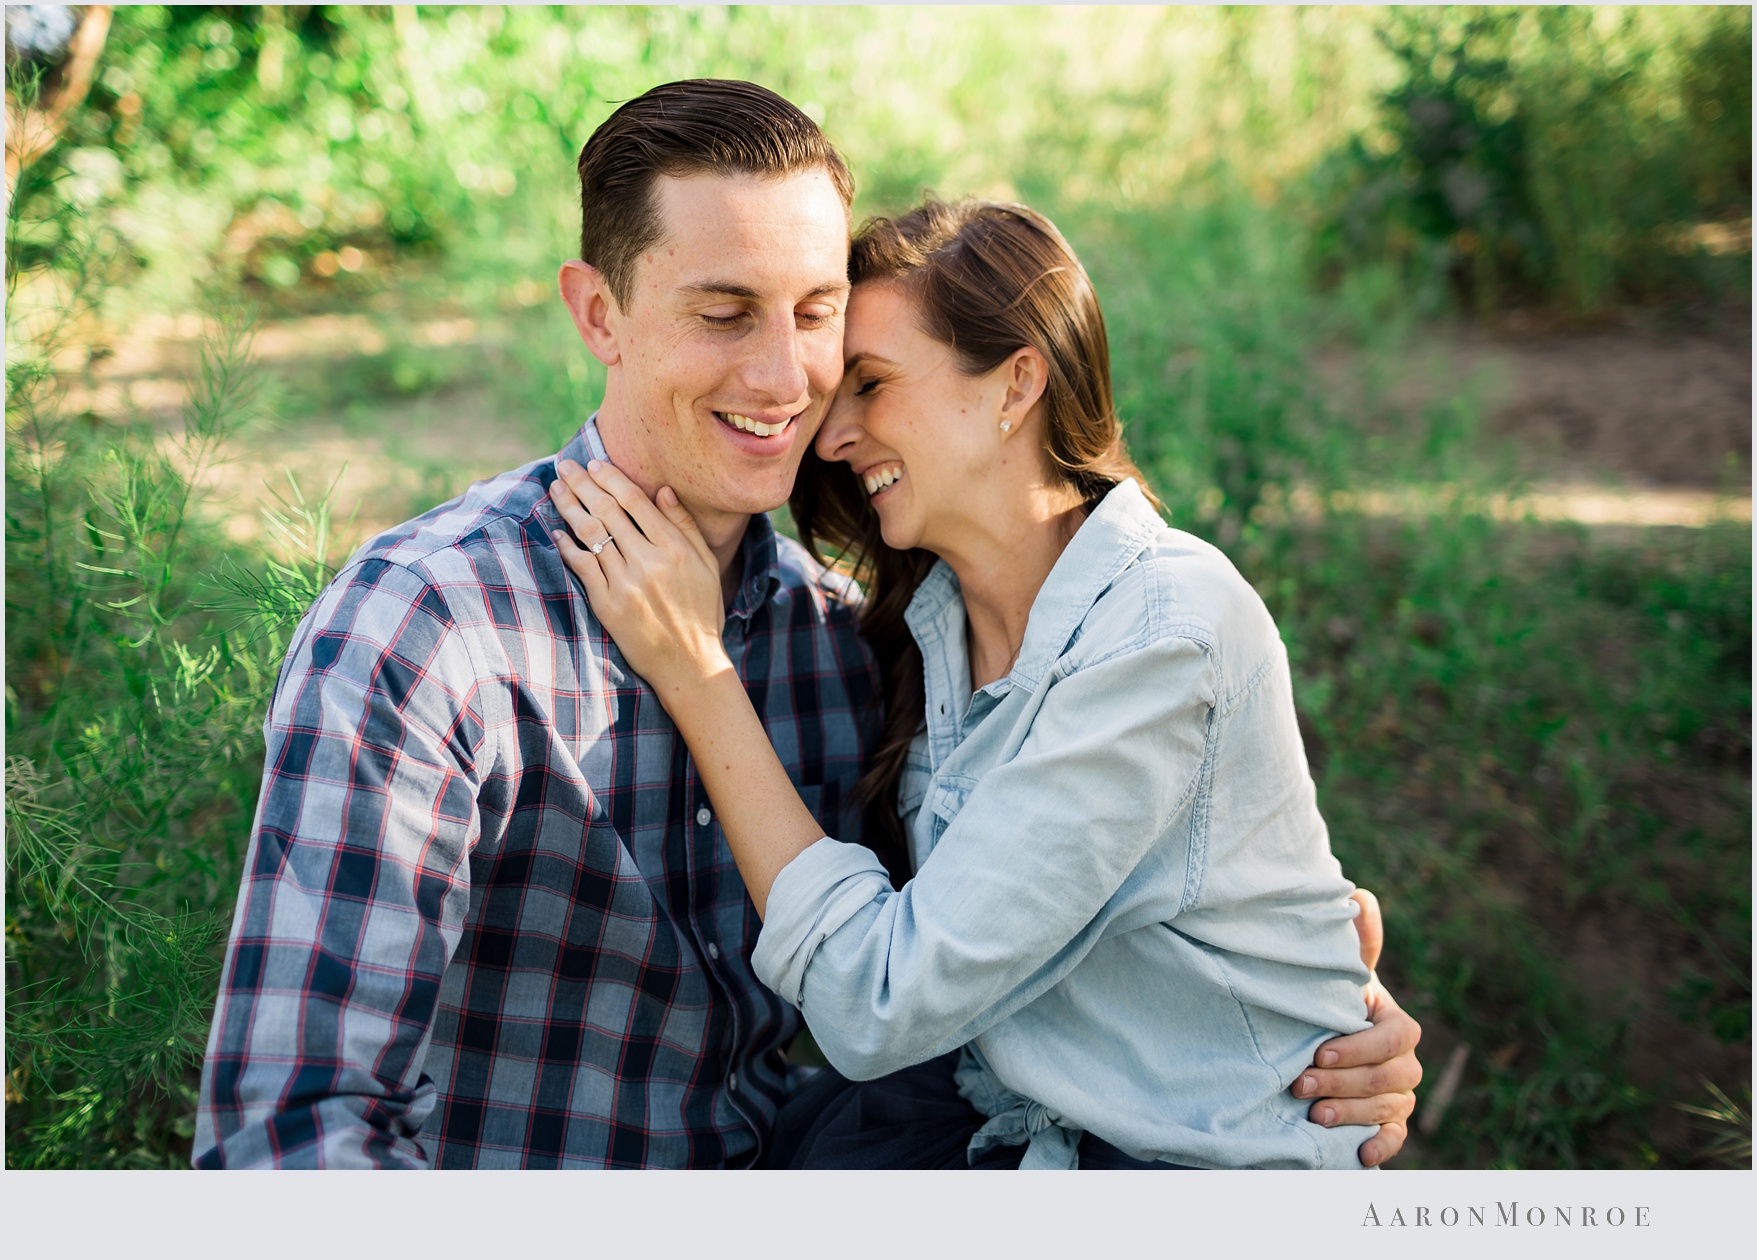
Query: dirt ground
[[1642, 406], [1645, 408]]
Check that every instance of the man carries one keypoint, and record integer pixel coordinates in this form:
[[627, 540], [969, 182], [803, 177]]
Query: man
[[487, 919]]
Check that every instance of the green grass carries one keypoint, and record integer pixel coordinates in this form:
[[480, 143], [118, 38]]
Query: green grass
[[1534, 745], [1533, 741]]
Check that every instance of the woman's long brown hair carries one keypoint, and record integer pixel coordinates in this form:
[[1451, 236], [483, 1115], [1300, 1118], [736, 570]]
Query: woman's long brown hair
[[986, 278]]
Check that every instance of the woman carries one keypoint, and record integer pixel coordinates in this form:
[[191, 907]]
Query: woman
[[1124, 909]]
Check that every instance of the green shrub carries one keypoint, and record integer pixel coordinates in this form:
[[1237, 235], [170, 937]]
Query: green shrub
[[1568, 155]]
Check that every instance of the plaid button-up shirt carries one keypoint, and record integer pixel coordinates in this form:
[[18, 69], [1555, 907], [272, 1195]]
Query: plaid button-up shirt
[[488, 918]]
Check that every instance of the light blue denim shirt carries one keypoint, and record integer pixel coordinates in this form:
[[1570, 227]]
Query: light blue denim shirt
[[1124, 899]]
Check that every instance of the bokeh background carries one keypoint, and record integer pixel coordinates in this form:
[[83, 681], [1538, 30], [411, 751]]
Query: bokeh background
[[1436, 320]]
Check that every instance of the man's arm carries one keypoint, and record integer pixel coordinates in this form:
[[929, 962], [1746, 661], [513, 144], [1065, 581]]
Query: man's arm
[[355, 887], [1368, 1077]]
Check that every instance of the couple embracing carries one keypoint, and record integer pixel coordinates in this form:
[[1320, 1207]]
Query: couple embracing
[[587, 790]]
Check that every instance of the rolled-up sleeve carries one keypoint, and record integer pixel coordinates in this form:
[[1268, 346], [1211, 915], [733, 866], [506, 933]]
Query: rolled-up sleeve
[[355, 888], [813, 896], [1006, 904]]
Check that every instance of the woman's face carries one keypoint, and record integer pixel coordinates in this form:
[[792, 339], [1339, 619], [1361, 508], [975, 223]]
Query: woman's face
[[923, 438]]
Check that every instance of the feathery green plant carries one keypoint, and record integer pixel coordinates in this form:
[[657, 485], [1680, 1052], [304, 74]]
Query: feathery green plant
[[133, 723]]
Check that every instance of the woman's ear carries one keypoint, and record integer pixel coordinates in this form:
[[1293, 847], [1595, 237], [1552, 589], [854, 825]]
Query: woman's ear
[[1024, 376], [594, 309]]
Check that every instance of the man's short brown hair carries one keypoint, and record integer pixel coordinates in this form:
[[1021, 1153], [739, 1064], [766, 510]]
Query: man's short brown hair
[[691, 127]]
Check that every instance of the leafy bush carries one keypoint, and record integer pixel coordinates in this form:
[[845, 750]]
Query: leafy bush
[[1555, 154], [1573, 155]]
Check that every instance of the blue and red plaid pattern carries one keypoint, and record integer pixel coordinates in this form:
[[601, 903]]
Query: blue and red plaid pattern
[[488, 918]]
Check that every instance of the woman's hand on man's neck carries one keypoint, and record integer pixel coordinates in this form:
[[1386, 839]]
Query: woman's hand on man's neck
[[722, 530]]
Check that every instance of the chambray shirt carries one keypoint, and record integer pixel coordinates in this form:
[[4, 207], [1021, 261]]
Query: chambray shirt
[[1124, 898], [488, 917]]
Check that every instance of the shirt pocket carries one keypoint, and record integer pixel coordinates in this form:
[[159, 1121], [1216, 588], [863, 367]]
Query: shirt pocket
[[945, 800]]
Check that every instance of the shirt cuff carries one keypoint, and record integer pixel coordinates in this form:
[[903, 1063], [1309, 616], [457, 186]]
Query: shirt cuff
[[813, 896]]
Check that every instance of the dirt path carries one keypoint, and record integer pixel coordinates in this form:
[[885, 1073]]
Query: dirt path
[[1633, 409], [1649, 409]]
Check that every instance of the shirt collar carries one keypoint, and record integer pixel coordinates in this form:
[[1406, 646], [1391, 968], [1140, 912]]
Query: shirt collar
[[758, 548], [585, 445], [932, 599], [762, 568], [1099, 551]]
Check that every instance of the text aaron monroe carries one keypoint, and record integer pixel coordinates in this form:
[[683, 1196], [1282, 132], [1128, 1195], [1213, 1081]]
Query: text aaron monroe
[[1502, 1215]]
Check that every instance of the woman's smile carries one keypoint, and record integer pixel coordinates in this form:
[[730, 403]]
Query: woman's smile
[[881, 477]]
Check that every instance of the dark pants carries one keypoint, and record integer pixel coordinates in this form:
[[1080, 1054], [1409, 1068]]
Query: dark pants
[[910, 1119]]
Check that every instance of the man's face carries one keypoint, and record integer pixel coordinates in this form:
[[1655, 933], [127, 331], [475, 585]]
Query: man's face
[[731, 342]]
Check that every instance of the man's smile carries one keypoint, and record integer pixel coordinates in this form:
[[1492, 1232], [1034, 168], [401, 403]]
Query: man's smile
[[772, 427], [765, 434]]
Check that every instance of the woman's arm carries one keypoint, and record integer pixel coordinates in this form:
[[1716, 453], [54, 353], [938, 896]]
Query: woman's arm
[[765, 822], [658, 593], [1050, 835], [1011, 898]]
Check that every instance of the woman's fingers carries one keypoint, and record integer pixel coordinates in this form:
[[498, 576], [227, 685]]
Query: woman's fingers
[[586, 527], [630, 498], [591, 532], [679, 516], [600, 504], [585, 565]]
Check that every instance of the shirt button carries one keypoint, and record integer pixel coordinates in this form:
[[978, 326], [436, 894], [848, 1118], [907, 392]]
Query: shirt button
[[732, 1081], [713, 951], [942, 710], [704, 816]]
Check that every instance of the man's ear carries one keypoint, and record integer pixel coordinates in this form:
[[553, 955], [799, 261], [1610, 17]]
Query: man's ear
[[1024, 377], [593, 308]]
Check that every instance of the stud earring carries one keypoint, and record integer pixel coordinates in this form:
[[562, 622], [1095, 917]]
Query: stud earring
[[1006, 425]]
